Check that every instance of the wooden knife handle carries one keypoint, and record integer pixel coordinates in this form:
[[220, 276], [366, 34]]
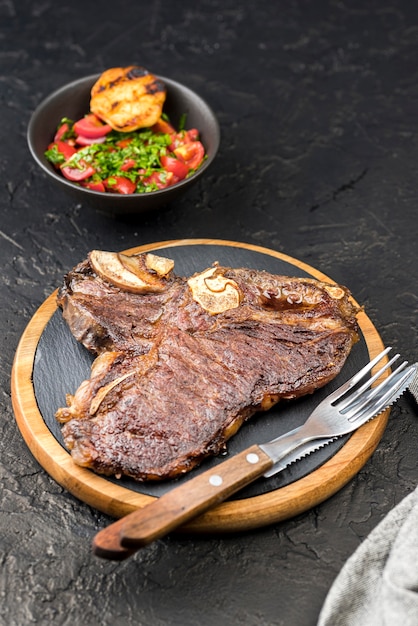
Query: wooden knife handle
[[174, 508], [106, 544]]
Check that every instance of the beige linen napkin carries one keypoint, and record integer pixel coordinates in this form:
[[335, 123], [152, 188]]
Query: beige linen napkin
[[378, 585]]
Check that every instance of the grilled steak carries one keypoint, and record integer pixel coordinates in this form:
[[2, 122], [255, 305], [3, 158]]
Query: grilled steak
[[182, 363]]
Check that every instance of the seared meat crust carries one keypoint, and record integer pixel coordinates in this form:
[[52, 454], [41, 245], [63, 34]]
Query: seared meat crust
[[173, 382]]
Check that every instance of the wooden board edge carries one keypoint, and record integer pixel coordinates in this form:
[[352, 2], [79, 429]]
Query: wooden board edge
[[231, 516]]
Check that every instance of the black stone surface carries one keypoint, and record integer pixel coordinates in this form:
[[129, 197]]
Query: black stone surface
[[317, 103]]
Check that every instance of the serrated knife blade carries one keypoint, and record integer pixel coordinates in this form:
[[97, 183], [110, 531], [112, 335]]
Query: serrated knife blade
[[298, 453]]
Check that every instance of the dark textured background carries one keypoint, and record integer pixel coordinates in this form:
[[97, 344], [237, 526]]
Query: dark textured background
[[318, 107]]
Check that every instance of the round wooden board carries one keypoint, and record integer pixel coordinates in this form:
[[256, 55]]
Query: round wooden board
[[234, 515]]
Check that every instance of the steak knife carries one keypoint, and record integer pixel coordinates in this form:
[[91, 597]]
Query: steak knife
[[125, 536], [107, 543]]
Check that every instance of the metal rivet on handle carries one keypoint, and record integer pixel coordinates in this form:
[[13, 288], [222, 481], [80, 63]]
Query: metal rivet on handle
[[215, 480], [252, 458]]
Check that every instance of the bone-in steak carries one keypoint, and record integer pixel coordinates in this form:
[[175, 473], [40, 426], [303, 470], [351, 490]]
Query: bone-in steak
[[183, 362]]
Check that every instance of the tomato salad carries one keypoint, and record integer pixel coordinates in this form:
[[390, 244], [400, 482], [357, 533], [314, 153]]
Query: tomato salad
[[93, 155]]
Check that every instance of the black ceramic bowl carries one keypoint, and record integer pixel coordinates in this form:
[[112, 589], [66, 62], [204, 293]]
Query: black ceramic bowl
[[73, 101]]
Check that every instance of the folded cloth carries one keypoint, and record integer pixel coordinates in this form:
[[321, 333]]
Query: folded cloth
[[378, 585], [413, 387]]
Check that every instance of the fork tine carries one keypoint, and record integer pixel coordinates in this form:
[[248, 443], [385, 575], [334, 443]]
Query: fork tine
[[362, 399], [358, 393], [383, 395], [374, 392], [351, 382]]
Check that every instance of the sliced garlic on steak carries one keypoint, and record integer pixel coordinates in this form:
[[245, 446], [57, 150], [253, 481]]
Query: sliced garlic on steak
[[159, 264], [150, 270], [214, 292], [335, 292], [126, 272], [103, 391]]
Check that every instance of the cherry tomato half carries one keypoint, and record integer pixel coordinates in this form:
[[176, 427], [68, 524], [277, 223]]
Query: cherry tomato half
[[163, 127], [91, 126], [192, 134], [94, 186], [61, 131], [160, 179], [83, 171], [184, 136], [128, 164], [120, 184], [191, 154], [177, 167], [65, 148], [122, 143]]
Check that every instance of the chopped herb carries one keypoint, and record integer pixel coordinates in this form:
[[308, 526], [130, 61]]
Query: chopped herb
[[54, 156]]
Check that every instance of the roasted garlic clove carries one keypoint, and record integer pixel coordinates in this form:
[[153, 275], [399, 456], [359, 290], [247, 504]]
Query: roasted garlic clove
[[129, 273], [214, 292], [159, 264]]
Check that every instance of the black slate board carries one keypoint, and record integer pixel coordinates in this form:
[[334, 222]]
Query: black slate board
[[61, 364]]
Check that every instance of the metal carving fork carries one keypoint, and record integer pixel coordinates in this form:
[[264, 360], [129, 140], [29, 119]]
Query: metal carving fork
[[342, 412]]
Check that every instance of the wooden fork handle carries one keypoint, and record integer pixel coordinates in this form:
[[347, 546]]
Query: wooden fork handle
[[122, 538]]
